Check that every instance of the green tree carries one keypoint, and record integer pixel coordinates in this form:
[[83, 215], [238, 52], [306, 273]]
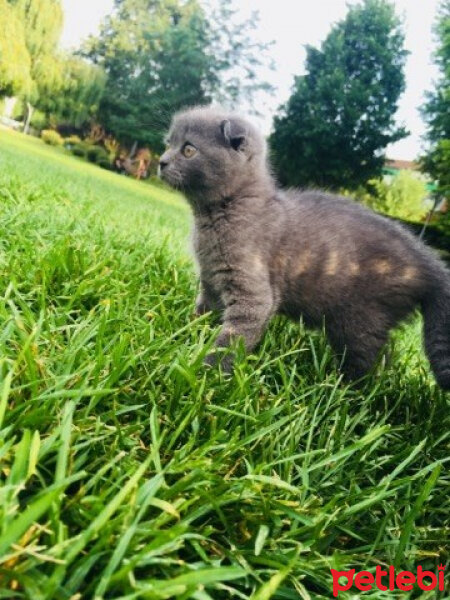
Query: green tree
[[42, 23], [437, 108], [154, 55], [63, 88], [161, 55], [15, 62], [340, 117], [75, 94]]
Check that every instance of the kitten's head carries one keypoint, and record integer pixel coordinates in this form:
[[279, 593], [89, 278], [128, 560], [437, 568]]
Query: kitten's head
[[211, 153]]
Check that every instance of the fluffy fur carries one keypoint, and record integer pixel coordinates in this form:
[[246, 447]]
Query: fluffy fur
[[263, 251]]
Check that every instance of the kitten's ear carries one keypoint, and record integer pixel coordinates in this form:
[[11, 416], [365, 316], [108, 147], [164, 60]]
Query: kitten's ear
[[232, 134]]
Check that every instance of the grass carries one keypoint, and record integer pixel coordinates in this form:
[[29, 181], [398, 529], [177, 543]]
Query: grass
[[127, 471]]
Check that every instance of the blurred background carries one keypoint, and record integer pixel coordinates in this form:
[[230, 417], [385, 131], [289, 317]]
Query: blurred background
[[353, 96]]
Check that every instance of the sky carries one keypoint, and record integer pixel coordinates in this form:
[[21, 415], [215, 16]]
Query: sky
[[294, 23]]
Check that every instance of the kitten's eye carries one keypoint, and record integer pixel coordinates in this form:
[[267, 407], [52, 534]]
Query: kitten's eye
[[189, 150]]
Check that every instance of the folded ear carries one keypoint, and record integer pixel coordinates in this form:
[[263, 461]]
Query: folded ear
[[233, 134]]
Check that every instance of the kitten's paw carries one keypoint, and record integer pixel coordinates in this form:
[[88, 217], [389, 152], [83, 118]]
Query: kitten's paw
[[200, 311], [202, 306], [225, 362], [210, 360]]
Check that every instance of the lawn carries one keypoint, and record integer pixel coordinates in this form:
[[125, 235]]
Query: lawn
[[127, 471]]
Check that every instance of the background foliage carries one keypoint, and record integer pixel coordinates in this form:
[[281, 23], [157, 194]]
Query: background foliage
[[63, 88], [402, 196], [160, 56], [437, 109], [340, 117], [42, 22], [15, 61]]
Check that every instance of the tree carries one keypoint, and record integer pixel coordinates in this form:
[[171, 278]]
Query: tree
[[42, 24], [162, 55], [340, 117], [76, 92], [437, 109], [62, 87], [154, 55], [238, 57], [15, 62]]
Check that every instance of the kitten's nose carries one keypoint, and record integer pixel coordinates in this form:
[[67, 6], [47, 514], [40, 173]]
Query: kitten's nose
[[163, 162]]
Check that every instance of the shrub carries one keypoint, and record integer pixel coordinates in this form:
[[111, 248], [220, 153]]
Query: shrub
[[403, 196], [79, 150], [72, 140], [96, 154], [112, 146], [49, 136], [104, 163]]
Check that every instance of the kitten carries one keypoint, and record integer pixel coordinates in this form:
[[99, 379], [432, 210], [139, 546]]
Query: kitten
[[263, 251]]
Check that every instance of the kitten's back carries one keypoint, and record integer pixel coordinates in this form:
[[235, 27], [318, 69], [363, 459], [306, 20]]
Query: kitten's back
[[339, 250], [345, 221]]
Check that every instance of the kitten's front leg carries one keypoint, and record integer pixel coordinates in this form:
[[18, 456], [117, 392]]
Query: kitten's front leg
[[246, 316], [202, 306], [206, 301]]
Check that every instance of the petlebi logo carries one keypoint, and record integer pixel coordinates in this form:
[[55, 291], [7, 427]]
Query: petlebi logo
[[387, 580]]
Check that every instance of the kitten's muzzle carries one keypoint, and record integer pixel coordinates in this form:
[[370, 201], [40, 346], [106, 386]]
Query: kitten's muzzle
[[163, 162]]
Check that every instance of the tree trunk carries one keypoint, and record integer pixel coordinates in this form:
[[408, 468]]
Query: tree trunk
[[26, 126], [430, 215], [133, 149]]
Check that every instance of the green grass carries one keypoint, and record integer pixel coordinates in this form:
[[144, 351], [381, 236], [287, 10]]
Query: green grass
[[127, 471]]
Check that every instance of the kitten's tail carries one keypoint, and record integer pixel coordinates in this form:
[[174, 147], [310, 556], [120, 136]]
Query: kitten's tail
[[436, 313]]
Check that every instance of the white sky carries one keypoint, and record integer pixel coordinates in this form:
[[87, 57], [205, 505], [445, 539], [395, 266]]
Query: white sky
[[294, 23]]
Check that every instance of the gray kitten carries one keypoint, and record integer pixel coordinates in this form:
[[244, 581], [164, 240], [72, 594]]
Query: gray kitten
[[263, 251]]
